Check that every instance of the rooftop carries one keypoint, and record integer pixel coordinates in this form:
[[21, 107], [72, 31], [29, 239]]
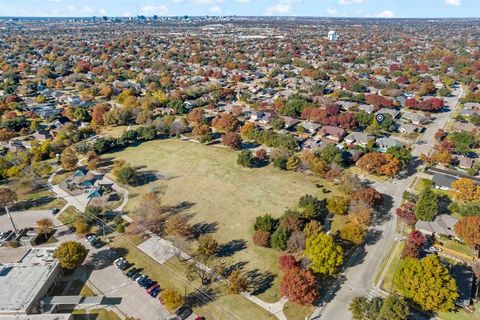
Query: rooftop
[[23, 280]]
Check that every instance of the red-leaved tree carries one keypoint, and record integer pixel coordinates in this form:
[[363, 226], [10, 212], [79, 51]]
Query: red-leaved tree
[[299, 286]]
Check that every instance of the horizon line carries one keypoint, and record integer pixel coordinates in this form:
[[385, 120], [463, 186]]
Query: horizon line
[[234, 16]]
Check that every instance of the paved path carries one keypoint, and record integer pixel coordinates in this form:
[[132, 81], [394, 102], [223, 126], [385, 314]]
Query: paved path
[[274, 308], [363, 265]]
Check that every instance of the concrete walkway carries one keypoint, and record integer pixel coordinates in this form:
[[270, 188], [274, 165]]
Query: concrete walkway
[[274, 308]]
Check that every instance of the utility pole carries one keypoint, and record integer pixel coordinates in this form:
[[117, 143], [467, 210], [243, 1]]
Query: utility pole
[[11, 220]]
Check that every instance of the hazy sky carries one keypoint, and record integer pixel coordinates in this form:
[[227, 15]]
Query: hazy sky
[[333, 8]]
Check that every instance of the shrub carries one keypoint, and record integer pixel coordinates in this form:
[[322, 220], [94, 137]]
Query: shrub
[[279, 238], [265, 223], [261, 238]]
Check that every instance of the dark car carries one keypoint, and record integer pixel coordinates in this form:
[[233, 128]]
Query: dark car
[[54, 211], [154, 293], [184, 312], [131, 272]]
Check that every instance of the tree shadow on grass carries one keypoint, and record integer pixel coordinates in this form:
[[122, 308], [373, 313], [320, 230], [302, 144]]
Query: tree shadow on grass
[[28, 204], [184, 205], [201, 297], [230, 248], [239, 265], [204, 228], [260, 281]]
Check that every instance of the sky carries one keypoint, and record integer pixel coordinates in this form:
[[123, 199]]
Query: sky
[[322, 8]]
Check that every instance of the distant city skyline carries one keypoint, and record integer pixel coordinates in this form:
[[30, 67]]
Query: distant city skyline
[[321, 8]]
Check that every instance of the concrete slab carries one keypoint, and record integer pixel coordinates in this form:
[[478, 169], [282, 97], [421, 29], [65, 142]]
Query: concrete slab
[[158, 249]]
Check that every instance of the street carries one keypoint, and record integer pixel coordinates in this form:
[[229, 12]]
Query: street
[[363, 266]]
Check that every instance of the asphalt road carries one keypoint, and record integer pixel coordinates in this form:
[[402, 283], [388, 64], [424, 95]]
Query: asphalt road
[[362, 267]]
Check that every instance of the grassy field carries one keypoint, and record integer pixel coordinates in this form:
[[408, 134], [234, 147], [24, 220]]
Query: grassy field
[[395, 265], [462, 314], [221, 194], [171, 274]]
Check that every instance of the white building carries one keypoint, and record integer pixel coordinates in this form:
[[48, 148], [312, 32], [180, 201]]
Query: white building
[[332, 35]]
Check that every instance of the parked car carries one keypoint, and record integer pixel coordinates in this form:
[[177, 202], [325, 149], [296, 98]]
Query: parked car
[[154, 293], [151, 288], [54, 211], [89, 236], [200, 318], [184, 312], [132, 272]]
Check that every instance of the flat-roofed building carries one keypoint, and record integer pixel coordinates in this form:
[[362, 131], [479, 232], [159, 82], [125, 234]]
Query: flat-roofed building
[[24, 283]]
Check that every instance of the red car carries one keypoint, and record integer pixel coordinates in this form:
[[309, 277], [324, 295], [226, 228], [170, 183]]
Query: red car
[[152, 288], [200, 318]]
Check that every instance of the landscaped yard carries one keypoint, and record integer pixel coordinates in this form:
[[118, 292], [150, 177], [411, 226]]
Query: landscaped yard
[[94, 314], [395, 265], [457, 246], [221, 194]]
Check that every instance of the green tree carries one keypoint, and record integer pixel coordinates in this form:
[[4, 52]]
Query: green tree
[[325, 254], [427, 205], [279, 238], [70, 254], [364, 309], [394, 308], [427, 283], [265, 223], [331, 154], [245, 158]]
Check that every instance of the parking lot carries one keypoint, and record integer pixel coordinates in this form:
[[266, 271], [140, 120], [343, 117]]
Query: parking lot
[[135, 301]]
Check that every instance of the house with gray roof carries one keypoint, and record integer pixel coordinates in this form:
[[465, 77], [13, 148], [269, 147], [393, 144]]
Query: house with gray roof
[[443, 181], [387, 142], [392, 112], [359, 138], [442, 225]]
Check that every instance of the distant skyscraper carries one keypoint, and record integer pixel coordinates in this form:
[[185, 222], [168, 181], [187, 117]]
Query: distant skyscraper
[[332, 35]]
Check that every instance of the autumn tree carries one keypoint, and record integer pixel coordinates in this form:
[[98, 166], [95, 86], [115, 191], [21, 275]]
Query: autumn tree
[[93, 160], [296, 242], [360, 213], [365, 309], [232, 140], [353, 233], [7, 197], [338, 205], [196, 116], [226, 122], [261, 238], [312, 228], [179, 226], [171, 298], [368, 195], [68, 159], [468, 228], [70, 254], [407, 214], [427, 283], [414, 243], [465, 189], [325, 254], [97, 114], [237, 282], [287, 262], [44, 227], [148, 214], [299, 286], [207, 245]]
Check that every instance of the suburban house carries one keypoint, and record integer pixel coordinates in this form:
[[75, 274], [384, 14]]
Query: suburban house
[[464, 127], [311, 127], [359, 138], [442, 225], [407, 128], [290, 122], [392, 112], [415, 118], [332, 133], [442, 181], [368, 108], [385, 143], [463, 162]]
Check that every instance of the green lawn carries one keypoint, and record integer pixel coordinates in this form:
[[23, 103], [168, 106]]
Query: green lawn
[[395, 265], [462, 314], [457, 246], [296, 312], [171, 274], [384, 263], [221, 193]]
